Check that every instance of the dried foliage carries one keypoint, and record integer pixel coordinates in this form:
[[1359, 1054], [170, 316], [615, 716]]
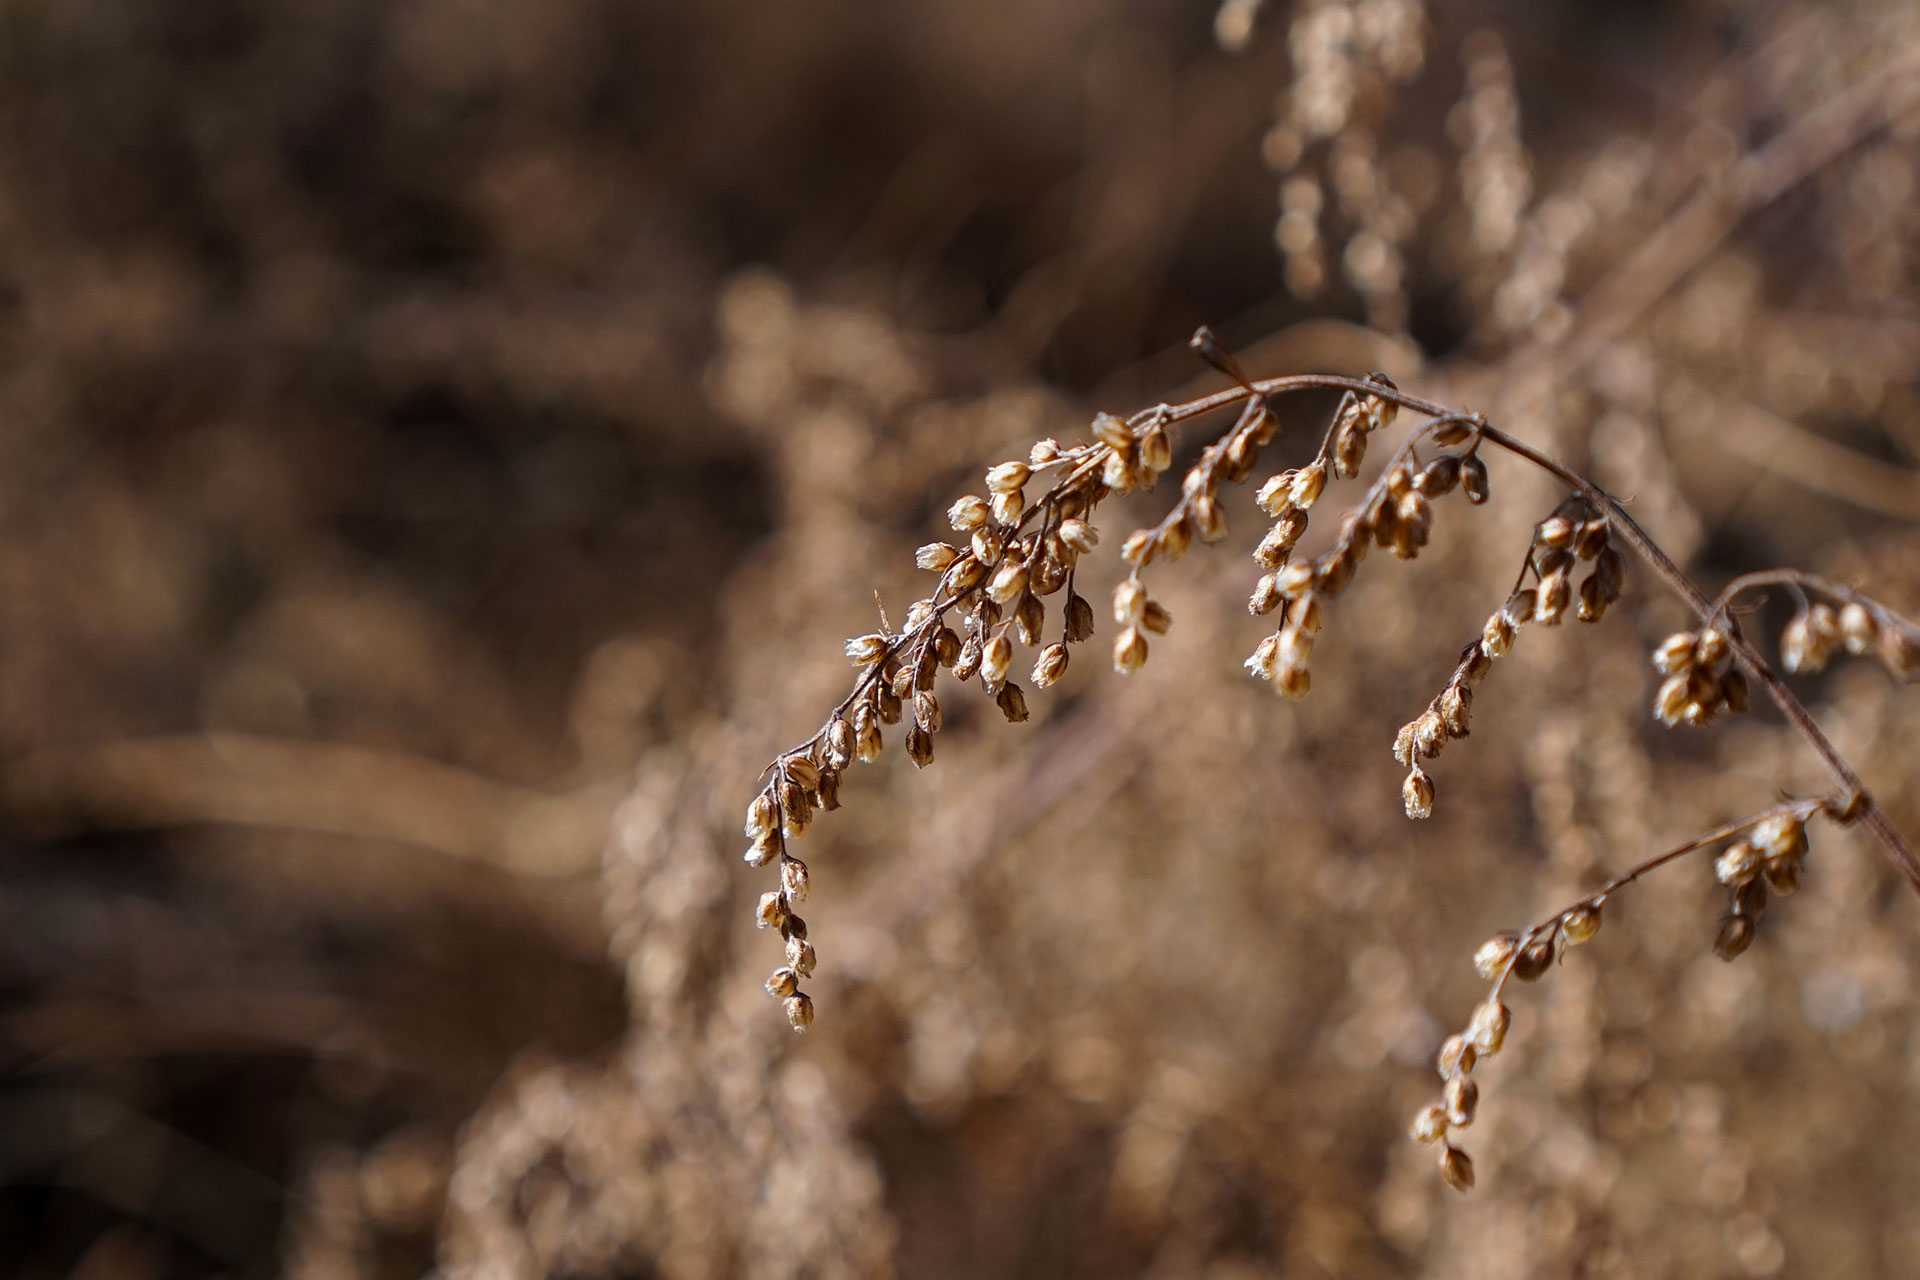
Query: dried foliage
[[434, 443]]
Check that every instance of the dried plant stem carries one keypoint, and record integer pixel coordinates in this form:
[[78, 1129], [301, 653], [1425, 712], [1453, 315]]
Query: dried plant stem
[[1860, 807]]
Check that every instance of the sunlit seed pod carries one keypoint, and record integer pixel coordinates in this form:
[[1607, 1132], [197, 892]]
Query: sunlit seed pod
[[1487, 1029], [1858, 630], [839, 740], [760, 816], [1050, 666], [1520, 607], [1797, 651], [935, 556], [1494, 954], [1399, 481], [1008, 477], [927, 665], [1429, 733], [1416, 793], [1295, 580], [967, 573], [1296, 646], [1448, 434], [926, 711], [968, 663], [1209, 521], [1439, 477], [968, 513], [1556, 532], [1044, 453], [1266, 596], [1430, 1125], [866, 733], [1496, 638], [1006, 507], [1111, 431], [796, 811], [1463, 1099], [1012, 703], [886, 704], [1780, 836], [867, 650], [995, 659], [902, 682], [1275, 496], [1591, 539], [763, 850], [802, 770], [1129, 651], [1671, 701], [1416, 513], [1455, 708], [1029, 618], [1155, 618], [987, 546], [1824, 623], [1333, 571], [1675, 654], [1711, 650], [1129, 601], [1456, 1168], [1473, 479], [1079, 535], [1581, 923], [1139, 547], [793, 879], [783, 983], [1293, 682], [1456, 1057], [1405, 747], [1735, 936], [1240, 457], [1534, 960], [1265, 659], [1079, 619], [772, 911], [1309, 612], [1733, 691], [919, 747], [830, 789], [1156, 450], [799, 1010], [1308, 484], [1117, 473], [1556, 594]]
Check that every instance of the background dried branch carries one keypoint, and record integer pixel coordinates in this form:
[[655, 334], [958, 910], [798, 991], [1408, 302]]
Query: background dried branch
[[433, 429]]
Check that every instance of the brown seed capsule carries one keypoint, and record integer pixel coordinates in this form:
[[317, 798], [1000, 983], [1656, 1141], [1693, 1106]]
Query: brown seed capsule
[[1028, 619], [1556, 532], [793, 927], [1012, 703], [1294, 580], [968, 513], [1265, 660], [1079, 535], [1783, 873], [1440, 477], [1043, 453], [796, 811], [1736, 935], [1497, 636], [1006, 508], [1456, 1057], [1139, 547], [760, 816], [1487, 1029], [886, 704], [866, 733], [1593, 601], [1266, 596], [919, 747], [1429, 733], [1900, 651], [1671, 703], [967, 573], [1534, 959], [1750, 899], [1556, 594], [1129, 601], [772, 912], [1430, 1125], [1209, 521], [1156, 450], [1711, 650], [996, 656], [800, 956], [840, 741], [1493, 955], [1079, 619], [1155, 618], [1733, 691], [1448, 433], [1008, 477], [1275, 497], [830, 789], [800, 1016], [1112, 432], [1175, 537], [968, 662], [1520, 607], [1050, 666], [903, 682], [1417, 793], [762, 850], [1456, 706], [1008, 582], [926, 711], [867, 650], [793, 879], [1296, 646], [1581, 923], [783, 983], [1463, 1099], [1780, 836], [1473, 479], [1308, 484], [1293, 682], [1675, 654], [1456, 1168], [1129, 651], [935, 556]]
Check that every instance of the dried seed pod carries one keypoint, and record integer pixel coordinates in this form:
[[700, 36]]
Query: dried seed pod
[[1733, 691], [1440, 477], [793, 879], [1079, 619], [1783, 872], [1463, 1099], [1711, 650], [903, 681], [840, 742], [968, 513], [1029, 617], [1534, 960], [967, 573], [1294, 580], [1671, 702], [1129, 651], [988, 546], [1138, 548], [1858, 630], [1008, 477], [968, 662], [1900, 651], [1265, 659], [783, 983], [1308, 484], [1174, 538], [1473, 479], [1487, 1029], [1455, 707], [1735, 936], [1494, 954], [1591, 539], [1308, 613], [864, 651], [1266, 596], [760, 816], [1051, 664], [1156, 450], [1429, 733], [762, 850], [1456, 1167], [830, 789], [1209, 521], [1417, 793], [1275, 497], [886, 704], [919, 747], [1112, 432], [1474, 664], [796, 811], [1520, 607], [1555, 532], [866, 733], [1581, 923], [1430, 1125], [799, 1009], [926, 711], [1496, 638], [1450, 432], [1556, 593], [1780, 836], [1129, 601], [1006, 507], [1079, 535], [1012, 703], [995, 658], [1155, 618], [802, 770], [1044, 453], [1456, 1057], [1293, 682], [772, 911], [935, 556], [791, 928], [1593, 600], [1008, 583], [1750, 899]]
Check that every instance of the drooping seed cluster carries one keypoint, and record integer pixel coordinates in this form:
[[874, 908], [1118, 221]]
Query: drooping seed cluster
[[1818, 631], [1768, 858], [1701, 679]]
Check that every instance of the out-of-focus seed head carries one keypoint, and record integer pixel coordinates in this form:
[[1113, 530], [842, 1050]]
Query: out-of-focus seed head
[[1309, 613], [793, 879], [1456, 1057], [1494, 954], [1439, 478], [1296, 646], [799, 1009], [1265, 660], [1750, 899], [1416, 793], [1294, 580], [1556, 531], [1581, 923], [1293, 682], [1129, 651], [1456, 1168], [919, 747], [1711, 650], [1473, 479], [1900, 652], [1735, 936], [1672, 702], [1079, 619], [1487, 1029], [1474, 664], [1139, 547], [1556, 593], [1012, 703], [1463, 1099], [1591, 538], [1520, 607], [1783, 872], [1155, 618], [1675, 654], [1858, 630], [1209, 521], [1780, 836], [1129, 601], [783, 983], [772, 912], [791, 928], [1156, 450], [1051, 664], [1733, 691], [1044, 453], [1534, 960], [1430, 1125]]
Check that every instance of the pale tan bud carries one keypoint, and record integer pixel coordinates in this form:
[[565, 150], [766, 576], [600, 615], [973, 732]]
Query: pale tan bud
[[1129, 651], [1456, 1057], [1155, 618], [793, 879], [1456, 705], [995, 659], [802, 770], [799, 1010], [1079, 535], [926, 711], [1266, 596], [1009, 582], [1900, 651], [1463, 1099], [1129, 601], [1012, 703], [968, 513], [839, 743], [1050, 666], [866, 733], [1711, 650], [1265, 659], [1209, 521], [1156, 450], [968, 572], [1780, 836], [1496, 638], [1495, 954], [1417, 793], [1175, 538], [935, 556], [1581, 923], [1112, 432], [866, 650], [1138, 548], [762, 850], [1079, 619], [1294, 580], [919, 747], [1117, 473], [1430, 1125], [783, 983], [1735, 936], [1556, 594], [772, 912], [1671, 703], [1555, 531], [1858, 630], [1275, 497], [1044, 453], [1308, 484], [987, 546], [760, 816], [1008, 477], [1487, 1029], [1429, 733], [1456, 1168], [1006, 507]]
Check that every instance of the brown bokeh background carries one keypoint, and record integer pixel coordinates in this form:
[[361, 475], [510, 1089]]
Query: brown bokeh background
[[444, 445]]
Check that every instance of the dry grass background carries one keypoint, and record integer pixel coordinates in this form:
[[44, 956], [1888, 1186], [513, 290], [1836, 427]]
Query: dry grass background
[[446, 444]]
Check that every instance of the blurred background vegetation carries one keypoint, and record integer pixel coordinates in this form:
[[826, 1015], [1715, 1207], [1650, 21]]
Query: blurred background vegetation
[[443, 443]]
